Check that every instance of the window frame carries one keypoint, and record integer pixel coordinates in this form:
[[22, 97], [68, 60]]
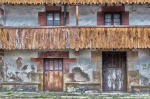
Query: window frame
[[112, 17], [113, 9], [53, 12]]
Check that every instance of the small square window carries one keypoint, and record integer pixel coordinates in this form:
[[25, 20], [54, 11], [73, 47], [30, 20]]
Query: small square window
[[112, 19], [53, 18]]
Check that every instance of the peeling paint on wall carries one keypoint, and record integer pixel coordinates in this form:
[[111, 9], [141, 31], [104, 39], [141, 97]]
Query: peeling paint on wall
[[22, 15], [86, 66], [18, 68], [143, 65], [27, 15]]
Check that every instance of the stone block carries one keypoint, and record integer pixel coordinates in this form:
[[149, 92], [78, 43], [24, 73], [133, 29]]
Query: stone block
[[132, 56], [40, 87], [133, 78], [98, 66], [97, 76]]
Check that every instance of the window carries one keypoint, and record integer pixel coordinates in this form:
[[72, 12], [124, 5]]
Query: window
[[113, 15], [112, 19], [53, 18]]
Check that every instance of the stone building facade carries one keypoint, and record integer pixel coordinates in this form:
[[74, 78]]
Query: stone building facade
[[83, 70]]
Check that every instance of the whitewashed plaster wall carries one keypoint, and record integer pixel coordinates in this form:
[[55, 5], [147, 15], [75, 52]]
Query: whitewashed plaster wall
[[22, 15], [87, 15], [143, 65], [138, 14], [27, 15]]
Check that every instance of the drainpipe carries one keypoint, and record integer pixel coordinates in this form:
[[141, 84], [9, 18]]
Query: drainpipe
[[77, 15], [65, 14]]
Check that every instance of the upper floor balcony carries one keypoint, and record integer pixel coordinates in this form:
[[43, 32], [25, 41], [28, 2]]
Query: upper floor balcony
[[75, 37]]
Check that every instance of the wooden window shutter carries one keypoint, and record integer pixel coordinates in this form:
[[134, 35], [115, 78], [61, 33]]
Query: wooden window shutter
[[62, 18], [125, 18], [1, 12], [42, 18], [67, 19], [100, 18]]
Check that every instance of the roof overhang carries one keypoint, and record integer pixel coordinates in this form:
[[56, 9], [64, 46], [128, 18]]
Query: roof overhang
[[74, 1]]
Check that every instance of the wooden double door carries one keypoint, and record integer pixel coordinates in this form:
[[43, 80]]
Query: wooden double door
[[53, 75], [114, 71]]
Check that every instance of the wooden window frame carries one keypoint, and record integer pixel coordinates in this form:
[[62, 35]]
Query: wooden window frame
[[124, 15], [42, 16], [112, 17], [47, 12]]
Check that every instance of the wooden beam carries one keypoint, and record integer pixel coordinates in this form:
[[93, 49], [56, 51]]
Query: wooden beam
[[54, 2], [77, 15], [76, 53], [52, 27]]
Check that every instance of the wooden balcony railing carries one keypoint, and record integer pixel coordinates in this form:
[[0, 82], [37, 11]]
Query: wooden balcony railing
[[73, 1], [119, 37]]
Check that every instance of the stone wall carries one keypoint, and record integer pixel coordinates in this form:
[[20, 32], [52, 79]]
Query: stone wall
[[132, 75], [81, 71], [143, 66], [27, 15], [137, 67], [86, 66], [97, 74], [2, 69]]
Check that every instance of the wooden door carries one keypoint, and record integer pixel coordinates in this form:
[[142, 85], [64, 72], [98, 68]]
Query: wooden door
[[114, 71], [53, 75]]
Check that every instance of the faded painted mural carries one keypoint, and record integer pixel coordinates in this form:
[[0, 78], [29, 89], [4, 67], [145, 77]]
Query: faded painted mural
[[18, 68]]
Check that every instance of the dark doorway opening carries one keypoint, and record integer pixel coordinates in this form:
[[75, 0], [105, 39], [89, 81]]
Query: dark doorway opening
[[114, 71]]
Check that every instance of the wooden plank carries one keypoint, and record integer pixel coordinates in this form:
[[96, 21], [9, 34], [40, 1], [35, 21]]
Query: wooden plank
[[75, 38], [53, 76]]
